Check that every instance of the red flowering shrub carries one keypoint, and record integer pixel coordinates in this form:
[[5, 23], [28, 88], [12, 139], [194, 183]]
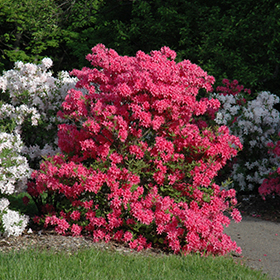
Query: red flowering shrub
[[136, 167], [271, 185], [232, 88]]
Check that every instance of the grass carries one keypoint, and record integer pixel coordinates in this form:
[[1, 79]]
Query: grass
[[98, 264]]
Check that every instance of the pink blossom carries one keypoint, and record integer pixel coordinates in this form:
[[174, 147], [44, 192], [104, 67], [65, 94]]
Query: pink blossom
[[127, 236], [235, 214], [75, 215], [62, 226], [88, 204], [76, 230]]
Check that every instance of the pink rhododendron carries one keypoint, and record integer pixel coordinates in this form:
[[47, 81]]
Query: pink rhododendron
[[232, 88], [75, 215], [271, 184], [136, 166], [76, 230]]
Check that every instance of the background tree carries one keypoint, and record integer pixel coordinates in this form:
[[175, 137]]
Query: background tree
[[29, 30], [229, 39]]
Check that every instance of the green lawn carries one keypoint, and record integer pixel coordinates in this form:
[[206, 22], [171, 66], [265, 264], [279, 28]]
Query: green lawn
[[98, 264]]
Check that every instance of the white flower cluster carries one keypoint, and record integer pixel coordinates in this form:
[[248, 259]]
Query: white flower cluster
[[14, 171], [229, 108], [36, 94], [14, 168], [17, 115], [256, 123], [35, 87], [13, 222], [34, 97]]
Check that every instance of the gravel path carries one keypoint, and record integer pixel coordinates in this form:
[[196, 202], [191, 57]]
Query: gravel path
[[260, 244]]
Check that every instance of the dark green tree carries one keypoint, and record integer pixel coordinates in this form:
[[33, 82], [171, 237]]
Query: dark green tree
[[29, 30], [229, 39]]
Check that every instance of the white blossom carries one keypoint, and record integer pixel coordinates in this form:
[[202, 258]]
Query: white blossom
[[256, 124], [4, 203], [14, 223], [47, 62]]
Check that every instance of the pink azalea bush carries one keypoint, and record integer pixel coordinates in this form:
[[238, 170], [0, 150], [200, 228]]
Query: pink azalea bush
[[136, 165]]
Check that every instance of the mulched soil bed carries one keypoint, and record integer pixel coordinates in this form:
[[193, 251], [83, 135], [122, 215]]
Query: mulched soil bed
[[49, 240], [253, 205]]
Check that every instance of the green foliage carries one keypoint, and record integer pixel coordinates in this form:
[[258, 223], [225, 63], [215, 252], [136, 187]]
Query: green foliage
[[6, 125], [28, 29], [234, 40], [31, 30], [237, 41], [229, 39]]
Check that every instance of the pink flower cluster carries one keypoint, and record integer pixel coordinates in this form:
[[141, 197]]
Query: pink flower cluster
[[135, 166], [231, 88], [271, 185]]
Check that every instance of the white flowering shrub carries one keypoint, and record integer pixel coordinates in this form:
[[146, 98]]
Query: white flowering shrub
[[32, 98], [256, 123], [14, 171], [14, 168], [11, 222], [29, 102]]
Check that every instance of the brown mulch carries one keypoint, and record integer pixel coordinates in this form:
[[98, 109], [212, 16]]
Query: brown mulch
[[44, 239], [253, 205], [49, 240]]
